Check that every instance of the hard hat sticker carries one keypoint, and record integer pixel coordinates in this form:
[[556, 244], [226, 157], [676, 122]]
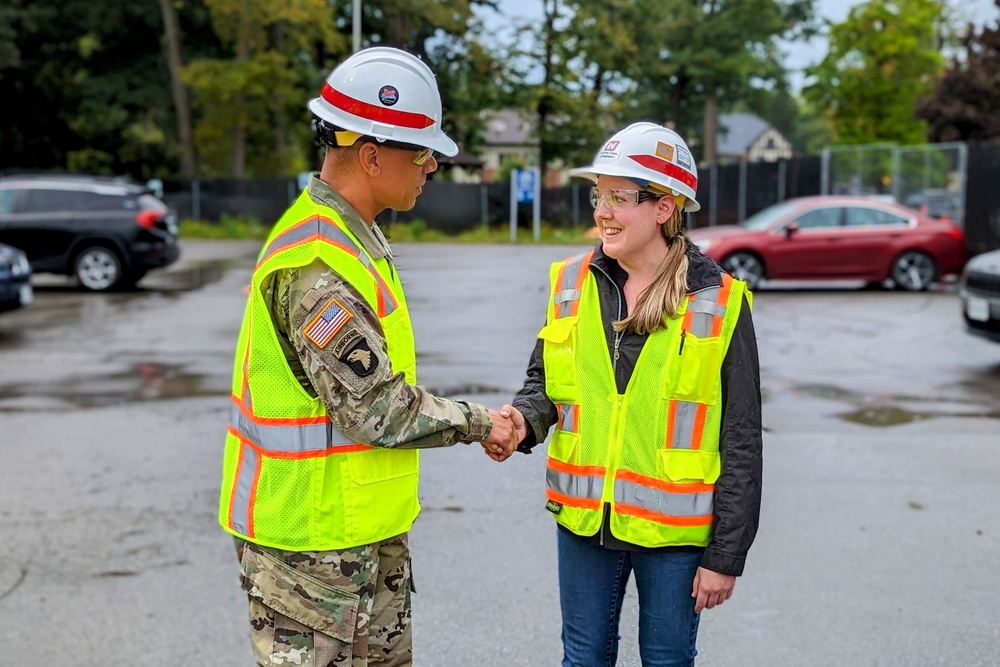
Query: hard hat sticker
[[664, 151], [683, 157], [388, 95], [609, 150]]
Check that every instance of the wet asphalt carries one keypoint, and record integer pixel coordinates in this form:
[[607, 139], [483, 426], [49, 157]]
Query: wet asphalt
[[879, 528]]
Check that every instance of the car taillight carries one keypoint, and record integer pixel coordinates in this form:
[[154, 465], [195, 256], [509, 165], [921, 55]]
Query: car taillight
[[956, 233], [148, 219]]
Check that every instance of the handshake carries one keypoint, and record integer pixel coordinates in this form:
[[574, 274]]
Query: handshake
[[508, 429]]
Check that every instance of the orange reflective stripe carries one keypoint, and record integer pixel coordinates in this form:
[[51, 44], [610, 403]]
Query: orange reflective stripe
[[569, 501], [581, 274], [275, 421], [727, 283], [593, 471], [698, 430], [296, 455], [236, 480], [665, 519], [672, 487], [253, 496]]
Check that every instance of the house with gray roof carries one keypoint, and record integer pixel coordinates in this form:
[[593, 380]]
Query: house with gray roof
[[746, 136]]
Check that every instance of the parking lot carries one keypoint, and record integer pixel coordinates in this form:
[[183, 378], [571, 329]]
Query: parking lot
[[879, 529]]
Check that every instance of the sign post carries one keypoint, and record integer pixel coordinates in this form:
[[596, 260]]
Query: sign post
[[525, 188]]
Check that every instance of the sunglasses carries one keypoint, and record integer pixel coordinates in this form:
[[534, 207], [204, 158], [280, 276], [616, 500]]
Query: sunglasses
[[422, 154], [618, 198]]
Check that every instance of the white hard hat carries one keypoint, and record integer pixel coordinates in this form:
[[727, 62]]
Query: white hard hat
[[649, 154], [387, 94]]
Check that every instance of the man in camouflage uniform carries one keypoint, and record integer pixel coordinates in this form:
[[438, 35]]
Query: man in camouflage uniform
[[349, 607]]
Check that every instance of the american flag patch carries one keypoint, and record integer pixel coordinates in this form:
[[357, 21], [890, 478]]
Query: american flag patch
[[326, 325]]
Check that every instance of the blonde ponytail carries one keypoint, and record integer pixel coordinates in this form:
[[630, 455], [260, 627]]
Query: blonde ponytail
[[668, 289]]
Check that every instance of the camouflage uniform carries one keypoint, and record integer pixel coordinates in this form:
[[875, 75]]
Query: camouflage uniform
[[348, 607]]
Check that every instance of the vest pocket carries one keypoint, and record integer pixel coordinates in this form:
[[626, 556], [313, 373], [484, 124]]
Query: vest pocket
[[690, 465], [698, 378], [560, 341], [563, 445], [379, 465]]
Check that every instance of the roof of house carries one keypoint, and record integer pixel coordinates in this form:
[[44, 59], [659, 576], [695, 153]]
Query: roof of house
[[738, 131], [508, 127]]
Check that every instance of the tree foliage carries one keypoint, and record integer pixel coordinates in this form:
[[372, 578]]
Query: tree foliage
[[882, 58], [964, 104]]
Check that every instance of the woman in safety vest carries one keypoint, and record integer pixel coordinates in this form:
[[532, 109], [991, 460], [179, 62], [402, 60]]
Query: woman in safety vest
[[647, 365]]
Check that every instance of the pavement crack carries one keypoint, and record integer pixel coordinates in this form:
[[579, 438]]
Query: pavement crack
[[17, 584]]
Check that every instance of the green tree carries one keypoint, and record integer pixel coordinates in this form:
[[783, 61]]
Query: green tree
[[277, 54], [882, 58]]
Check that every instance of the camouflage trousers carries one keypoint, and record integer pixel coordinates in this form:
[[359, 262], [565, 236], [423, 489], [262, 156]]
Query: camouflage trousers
[[344, 608]]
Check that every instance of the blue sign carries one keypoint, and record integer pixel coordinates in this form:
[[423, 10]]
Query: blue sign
[[524, 182]]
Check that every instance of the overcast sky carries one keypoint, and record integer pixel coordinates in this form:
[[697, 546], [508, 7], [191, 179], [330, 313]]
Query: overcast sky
[[800, 55]]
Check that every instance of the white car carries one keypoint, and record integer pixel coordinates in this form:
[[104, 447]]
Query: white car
[[980, 292]]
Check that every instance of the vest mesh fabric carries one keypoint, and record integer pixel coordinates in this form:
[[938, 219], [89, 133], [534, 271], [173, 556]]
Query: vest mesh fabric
[[317, 499], [626, 435]]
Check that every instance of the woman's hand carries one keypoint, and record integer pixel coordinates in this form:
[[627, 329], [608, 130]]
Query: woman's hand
[[711, 589]]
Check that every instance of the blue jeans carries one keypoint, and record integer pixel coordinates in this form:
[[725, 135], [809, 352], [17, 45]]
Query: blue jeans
[[591, 588]]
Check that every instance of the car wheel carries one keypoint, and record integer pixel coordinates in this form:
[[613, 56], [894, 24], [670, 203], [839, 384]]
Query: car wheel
[[98, 268], [913, 271], [746, 267]]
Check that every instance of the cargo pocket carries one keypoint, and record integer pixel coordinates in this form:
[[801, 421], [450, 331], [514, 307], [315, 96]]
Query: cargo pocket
[[295, 618], [560, 340], [700, 376], [562, 447], [689, 465]]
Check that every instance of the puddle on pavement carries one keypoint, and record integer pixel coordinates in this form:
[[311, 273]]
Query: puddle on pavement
[[883, 411], [143, 382], [187, 279]]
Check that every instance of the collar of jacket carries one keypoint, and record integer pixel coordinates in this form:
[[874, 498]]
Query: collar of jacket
[[702, 272]]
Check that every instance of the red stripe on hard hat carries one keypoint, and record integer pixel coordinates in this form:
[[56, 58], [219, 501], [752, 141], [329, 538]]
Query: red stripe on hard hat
[[416, 121], [667, 169]]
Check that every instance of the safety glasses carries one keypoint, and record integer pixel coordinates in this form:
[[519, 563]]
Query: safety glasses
[[617, 198], [422, 156]]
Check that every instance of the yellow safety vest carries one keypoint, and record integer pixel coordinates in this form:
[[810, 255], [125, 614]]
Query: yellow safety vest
[[652, 453], [291, 480]]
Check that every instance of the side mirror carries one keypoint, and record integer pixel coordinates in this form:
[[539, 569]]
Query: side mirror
[[790, 229]]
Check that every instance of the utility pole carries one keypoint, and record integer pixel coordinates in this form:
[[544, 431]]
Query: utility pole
[[357, 25]]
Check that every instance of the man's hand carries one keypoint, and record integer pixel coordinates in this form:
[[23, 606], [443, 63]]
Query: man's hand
[[518, 419], [503, 438], [711, 588]]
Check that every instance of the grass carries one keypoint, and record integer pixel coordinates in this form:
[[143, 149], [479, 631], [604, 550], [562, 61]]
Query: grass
[[246, 227]]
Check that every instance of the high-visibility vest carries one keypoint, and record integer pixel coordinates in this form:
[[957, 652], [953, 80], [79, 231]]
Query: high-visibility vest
[[652, 453], [291, 480]]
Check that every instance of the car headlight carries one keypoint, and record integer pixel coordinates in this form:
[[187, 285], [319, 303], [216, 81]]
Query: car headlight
[[704, 245]]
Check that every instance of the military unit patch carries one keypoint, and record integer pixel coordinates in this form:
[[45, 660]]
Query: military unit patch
[[360, 358], [326, 325]]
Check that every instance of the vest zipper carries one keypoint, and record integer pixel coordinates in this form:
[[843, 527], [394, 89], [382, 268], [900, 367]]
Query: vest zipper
[[618, 334]]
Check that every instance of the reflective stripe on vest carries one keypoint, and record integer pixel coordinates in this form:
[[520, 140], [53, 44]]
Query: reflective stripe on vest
[[318, 228], [705, 312], [575, 486], [663, 502], [569, 418], [571, 276]]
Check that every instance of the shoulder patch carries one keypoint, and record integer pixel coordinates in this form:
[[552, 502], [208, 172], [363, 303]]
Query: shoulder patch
[[326, 325], [359, 357]]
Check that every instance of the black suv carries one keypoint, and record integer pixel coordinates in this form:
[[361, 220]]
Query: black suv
[[107, 232]]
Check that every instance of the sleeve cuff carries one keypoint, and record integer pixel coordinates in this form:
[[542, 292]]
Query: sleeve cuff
[[723, 563], [480, 423]]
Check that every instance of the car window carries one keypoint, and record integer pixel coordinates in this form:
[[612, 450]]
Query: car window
[[858, 216], [41, 200], [99, 201], [819, 218], [7, 200], [764, 218]]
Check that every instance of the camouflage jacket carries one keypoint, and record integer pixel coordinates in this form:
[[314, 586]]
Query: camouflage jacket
[[366, 400]]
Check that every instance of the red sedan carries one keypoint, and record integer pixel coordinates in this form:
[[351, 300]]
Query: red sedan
[[837, 238]]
